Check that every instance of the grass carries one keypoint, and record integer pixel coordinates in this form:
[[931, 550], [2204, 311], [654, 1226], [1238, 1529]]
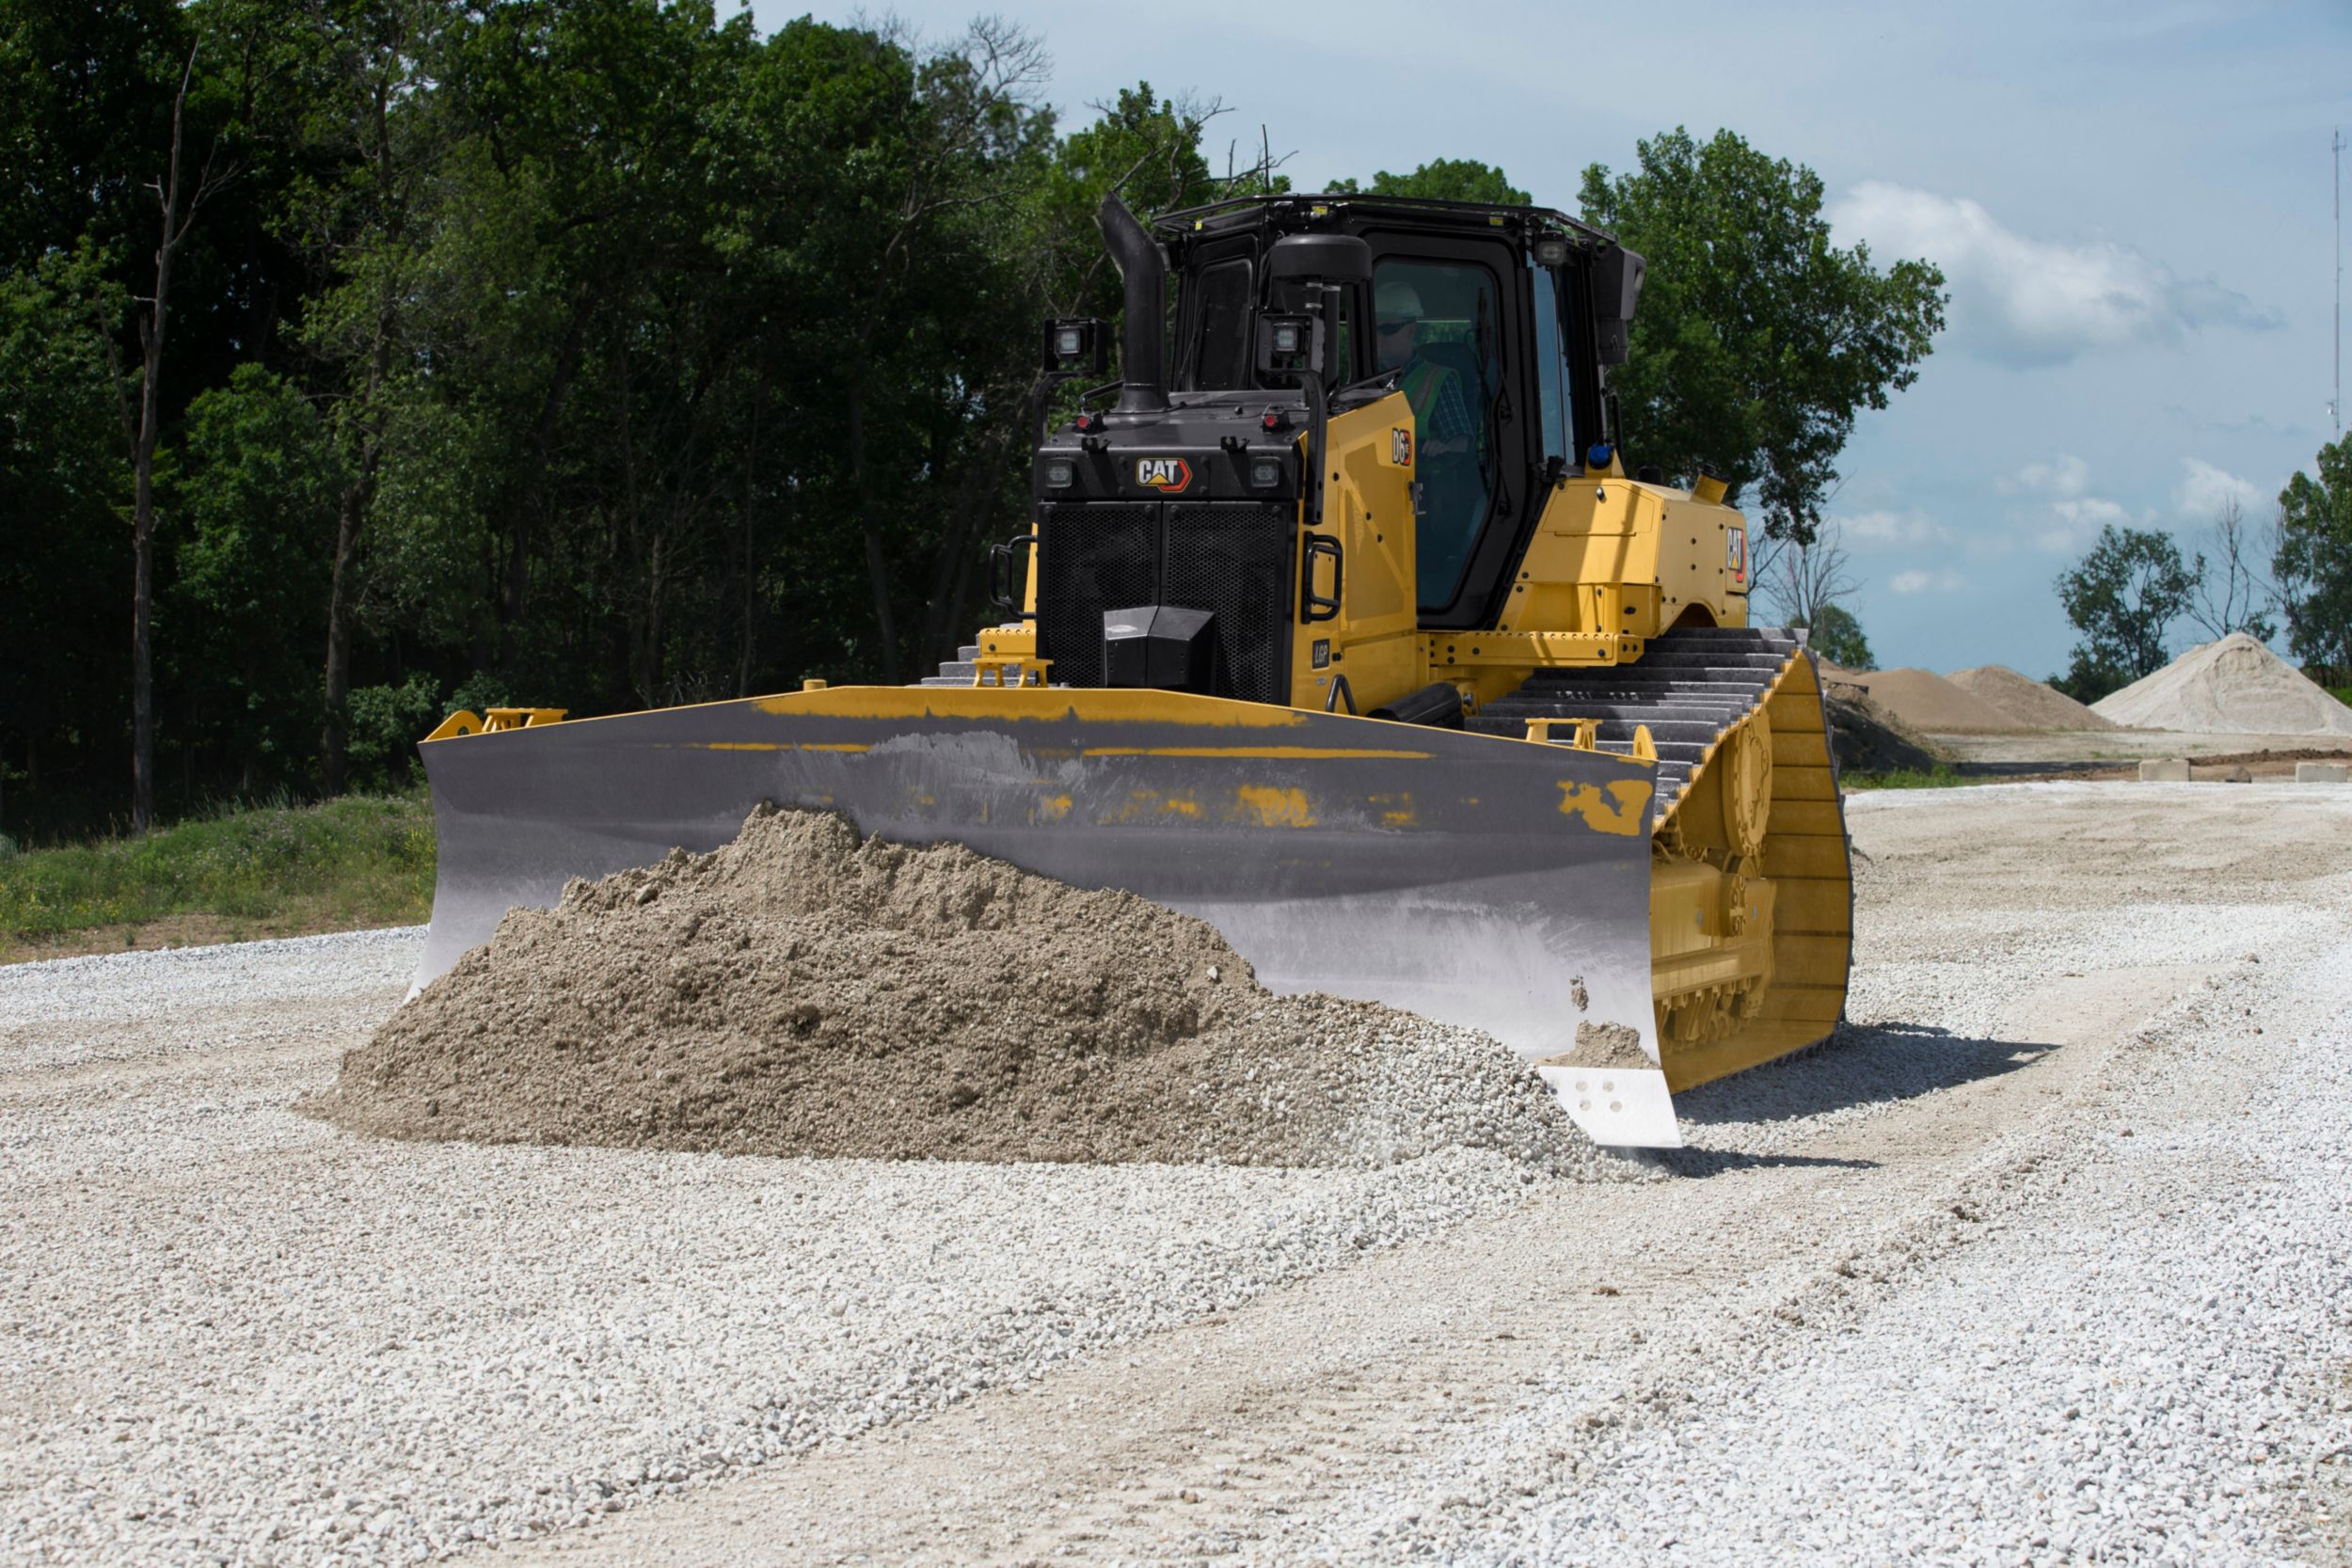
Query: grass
[[2341, 693], [355, 861], [1938, 777]]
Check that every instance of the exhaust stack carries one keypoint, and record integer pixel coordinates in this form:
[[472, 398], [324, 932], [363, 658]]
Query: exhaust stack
[[1143, 348]]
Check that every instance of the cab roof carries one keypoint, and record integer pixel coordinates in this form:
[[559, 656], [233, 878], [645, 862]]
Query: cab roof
[[1291, 211]]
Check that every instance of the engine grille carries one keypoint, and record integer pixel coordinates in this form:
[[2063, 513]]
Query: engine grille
[[1090, 558], [1235, 561], [1233, 558]]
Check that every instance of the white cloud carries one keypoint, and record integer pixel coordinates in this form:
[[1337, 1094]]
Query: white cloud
[[2028, 301], [2065, 475], [1889, 528], [2205, 490], [1941, 581]]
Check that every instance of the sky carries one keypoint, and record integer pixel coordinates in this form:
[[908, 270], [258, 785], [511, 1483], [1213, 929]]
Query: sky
[[2131, 203]]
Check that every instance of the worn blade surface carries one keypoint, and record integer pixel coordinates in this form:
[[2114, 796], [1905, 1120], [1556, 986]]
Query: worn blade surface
[[1468, 877]]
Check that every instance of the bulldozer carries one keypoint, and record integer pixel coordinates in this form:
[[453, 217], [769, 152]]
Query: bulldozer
[[1340, 622]]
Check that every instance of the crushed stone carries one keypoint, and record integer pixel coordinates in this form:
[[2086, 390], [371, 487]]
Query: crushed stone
[[800, 992], [2030, 703], [1604, 1045], [2235, 686]]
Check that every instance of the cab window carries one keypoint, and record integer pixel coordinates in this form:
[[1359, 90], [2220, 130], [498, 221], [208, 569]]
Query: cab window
[[1437, 325], [1220, 343]]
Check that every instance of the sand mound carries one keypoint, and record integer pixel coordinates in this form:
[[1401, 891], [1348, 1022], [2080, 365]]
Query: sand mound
[[2029, 704], [2235, 687], [1922, 700], [800, 992], [1867, 739]]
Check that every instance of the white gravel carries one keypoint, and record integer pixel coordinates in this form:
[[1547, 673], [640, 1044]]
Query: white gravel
[[2130, 1346], [230, 1332], [2115, 1332]]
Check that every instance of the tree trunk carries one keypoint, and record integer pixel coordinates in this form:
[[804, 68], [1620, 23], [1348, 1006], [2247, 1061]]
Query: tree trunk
[[172, 227]]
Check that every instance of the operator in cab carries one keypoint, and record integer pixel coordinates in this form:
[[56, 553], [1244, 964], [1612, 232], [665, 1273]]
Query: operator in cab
[[1436, 392]]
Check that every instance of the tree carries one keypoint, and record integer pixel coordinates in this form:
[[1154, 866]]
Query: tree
[[1837, 636], [1444, 180], [2122, 598], [2312, 563], [2229, 596], [177, 200], [1800, 576], [1757, 341]]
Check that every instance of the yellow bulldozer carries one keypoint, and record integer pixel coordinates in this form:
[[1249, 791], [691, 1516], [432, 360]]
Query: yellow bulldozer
[[1341, 622]]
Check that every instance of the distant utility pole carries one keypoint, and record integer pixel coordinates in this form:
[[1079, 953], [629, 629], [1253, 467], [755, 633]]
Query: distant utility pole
[[2335, 145]]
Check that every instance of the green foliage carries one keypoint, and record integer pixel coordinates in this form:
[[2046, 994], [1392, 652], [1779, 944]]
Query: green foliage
[[358, 861], [1445, 180], [1757, 341], [1938, 777], [385, 724], [255, 482], [2122, 598], [2313, 565], [65, 558], [1837, 636]]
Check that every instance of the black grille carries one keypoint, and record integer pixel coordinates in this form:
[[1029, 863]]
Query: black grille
[[1090, 558], [1235, 559]]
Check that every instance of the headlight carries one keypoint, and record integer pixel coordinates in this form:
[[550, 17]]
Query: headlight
[[1265, 471], [1060, 473]]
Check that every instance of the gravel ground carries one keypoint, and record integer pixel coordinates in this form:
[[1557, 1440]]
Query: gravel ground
[[2045, 1261], [232, 1332]]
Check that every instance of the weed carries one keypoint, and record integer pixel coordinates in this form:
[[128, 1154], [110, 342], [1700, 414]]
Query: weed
[[357, 860]]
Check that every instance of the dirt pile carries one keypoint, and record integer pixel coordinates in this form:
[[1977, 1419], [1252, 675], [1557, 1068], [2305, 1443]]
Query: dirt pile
[[1924, 701], [802, 992], [2029, 704], [2232, 687], [1866, 737]]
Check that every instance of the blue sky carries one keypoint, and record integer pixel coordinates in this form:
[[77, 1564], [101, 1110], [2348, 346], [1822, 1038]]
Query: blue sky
[[2131, 202]]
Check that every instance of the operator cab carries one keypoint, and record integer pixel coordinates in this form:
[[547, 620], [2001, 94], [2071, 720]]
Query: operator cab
[[1497, 324], [1485, 317]]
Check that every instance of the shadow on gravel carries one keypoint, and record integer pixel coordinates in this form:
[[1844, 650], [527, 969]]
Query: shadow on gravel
[[1714, 1162], [1859, 1064]]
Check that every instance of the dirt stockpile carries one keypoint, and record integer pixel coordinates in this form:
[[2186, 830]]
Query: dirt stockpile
[[2233, 686], [1924, 701], [800, 992], [2029, 704], [1867, 739]]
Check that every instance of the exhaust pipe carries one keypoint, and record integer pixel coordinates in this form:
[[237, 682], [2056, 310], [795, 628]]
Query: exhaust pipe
[[1143, 267]]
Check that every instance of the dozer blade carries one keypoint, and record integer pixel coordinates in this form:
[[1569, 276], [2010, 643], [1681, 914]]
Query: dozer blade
[[1472, 878]]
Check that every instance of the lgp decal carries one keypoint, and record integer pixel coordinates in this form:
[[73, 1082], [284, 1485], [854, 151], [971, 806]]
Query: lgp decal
[[1401, 448], [1736, 551], [1167, 475]]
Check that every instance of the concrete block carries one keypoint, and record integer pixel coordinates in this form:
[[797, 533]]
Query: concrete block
[[2164, 771], [2323, 772]]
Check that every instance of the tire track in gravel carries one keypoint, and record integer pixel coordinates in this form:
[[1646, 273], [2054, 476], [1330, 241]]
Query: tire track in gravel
[[1191, 1443]]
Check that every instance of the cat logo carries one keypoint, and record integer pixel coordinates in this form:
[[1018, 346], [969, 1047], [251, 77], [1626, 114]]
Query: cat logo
[[1401, 448], [1167, 475]]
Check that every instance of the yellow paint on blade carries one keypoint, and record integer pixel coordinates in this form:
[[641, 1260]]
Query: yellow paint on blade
[[1017, 703], [1260, 753], [1611, 808], [1053, 808], [1146, 805], [779, 745], [1270, 807]]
